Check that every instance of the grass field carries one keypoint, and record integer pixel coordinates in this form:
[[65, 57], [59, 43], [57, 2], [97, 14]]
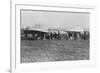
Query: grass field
[[54, 50]]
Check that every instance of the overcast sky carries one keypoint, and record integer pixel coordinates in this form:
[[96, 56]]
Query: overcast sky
[[47, 19]]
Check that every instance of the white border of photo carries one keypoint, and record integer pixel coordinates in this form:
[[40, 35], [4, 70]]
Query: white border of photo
[[17, 67]]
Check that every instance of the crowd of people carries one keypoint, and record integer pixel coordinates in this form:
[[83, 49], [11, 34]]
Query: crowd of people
[[40, 35]]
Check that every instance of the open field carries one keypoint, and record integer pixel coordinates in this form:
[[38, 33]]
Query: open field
[[54, 50]]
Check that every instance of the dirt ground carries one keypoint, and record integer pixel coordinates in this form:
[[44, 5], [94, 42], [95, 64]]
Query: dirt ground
[[54, 50]]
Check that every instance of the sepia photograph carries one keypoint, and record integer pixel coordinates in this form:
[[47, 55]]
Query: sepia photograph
[[52, 36]]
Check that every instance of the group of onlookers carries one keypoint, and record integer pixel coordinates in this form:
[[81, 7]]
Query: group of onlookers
[[40, 35]]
